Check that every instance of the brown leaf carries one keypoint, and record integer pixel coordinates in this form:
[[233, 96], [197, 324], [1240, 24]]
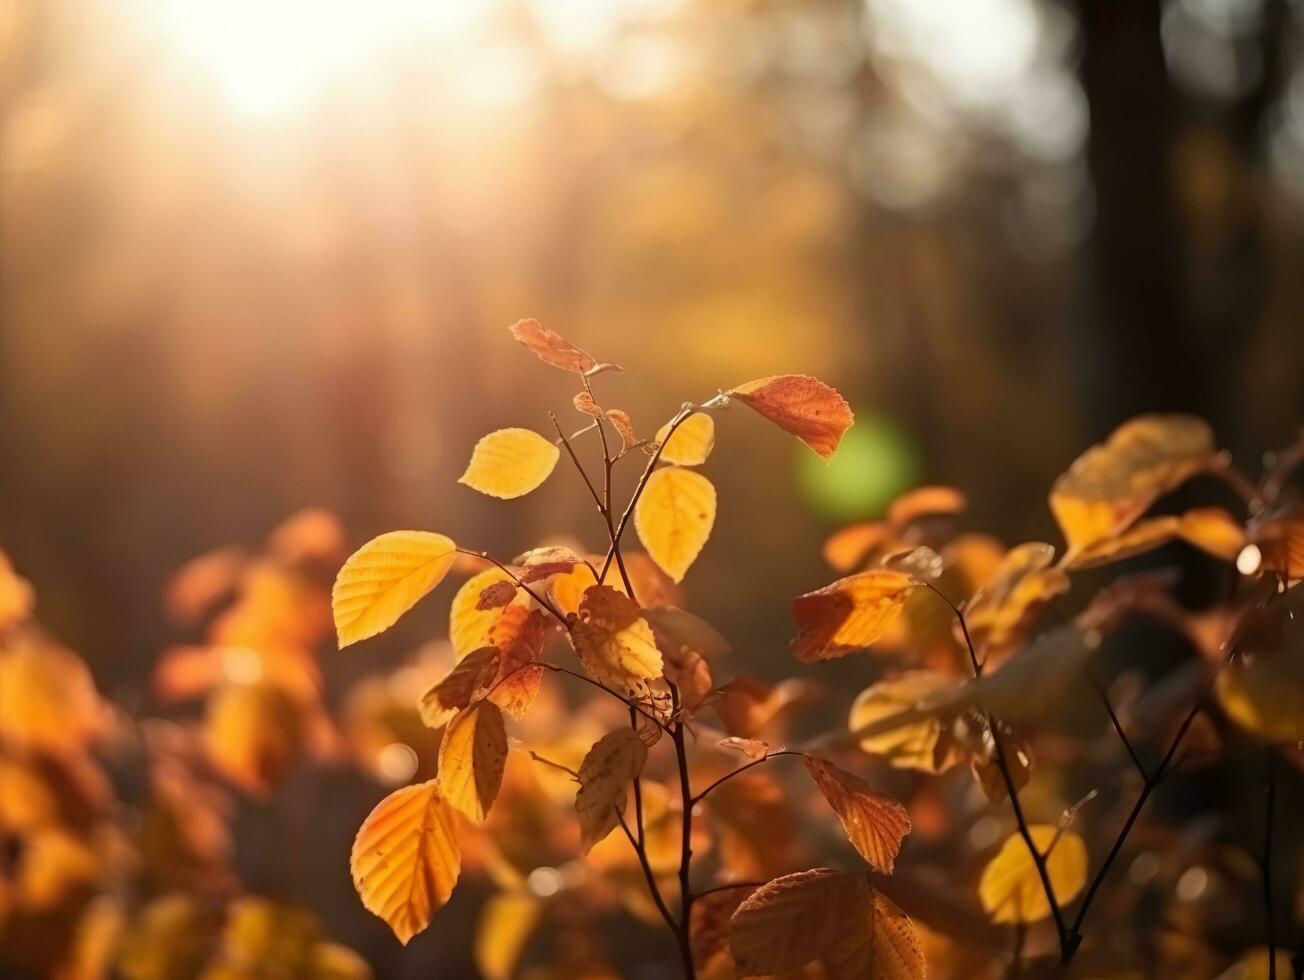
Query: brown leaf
[[613, 641], [797, 919], [470, 678], [496, 595], [849, 614], [708, 923], [801, 405], [747, 706], [613, 762], [1115, 482], [624, 425], [584, 403], [550, 347], [875, 824], [541, 563], [753, 748]]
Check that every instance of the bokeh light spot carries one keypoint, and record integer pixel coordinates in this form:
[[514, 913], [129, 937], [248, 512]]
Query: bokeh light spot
[[875, 463]]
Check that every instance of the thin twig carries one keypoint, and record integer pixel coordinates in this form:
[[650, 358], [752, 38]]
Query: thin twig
[[561, 438], [1268, 904], [741, 769], [651, 877], [512, 575], [1118, 725], [729, 887], [633, 705]]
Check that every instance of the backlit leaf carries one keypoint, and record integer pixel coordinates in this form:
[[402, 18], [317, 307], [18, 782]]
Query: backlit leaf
[[801, 405], [385, 578], [924, 502], [692, 441], [613, 641], [849, 614], [472, 756], [797, 919], [406, 858], [1011, 889], [48, 701], [674, 517], [468, 624], [1115, 482], [605, 775], [1262, 687], [471, 677], [850, 547], [551, 348], [519, 635], [888, 947], [510, 463], [926, 744], [874, 823]]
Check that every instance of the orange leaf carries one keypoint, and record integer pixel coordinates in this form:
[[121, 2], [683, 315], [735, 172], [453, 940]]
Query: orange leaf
[[849, 614], [850, 547], [613, 762], [406, 859], [551, 348], [469, 678], [624, 425], [801, 405], [472, 756], [48, 701], [797, 919], [1002, 613], [518, 635], [875, 824], [924, 502], [253, 734]]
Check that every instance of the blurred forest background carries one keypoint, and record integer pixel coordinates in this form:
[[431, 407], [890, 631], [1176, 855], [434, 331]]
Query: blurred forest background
[[256, 256]]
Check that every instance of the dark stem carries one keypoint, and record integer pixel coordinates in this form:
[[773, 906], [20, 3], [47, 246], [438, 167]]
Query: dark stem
[[1118, 725], [1267, 864], [741, 769], [632, 705], [651, 877], [519, 584]]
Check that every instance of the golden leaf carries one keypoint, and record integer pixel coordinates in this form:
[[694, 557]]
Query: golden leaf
[[926, 744], [551, 348], [613, 641], [1213, 531], [691, 442], [674, 517], [1011, 889], [875, 824], [510, 463], [48, 701], [468, 624], [849, 614], [613, 762], [1003, 612], [253, 733], [406, 859], [472, 757], [471, 677], [1113, 483], [385, 578], [801, 405], [503, 928]]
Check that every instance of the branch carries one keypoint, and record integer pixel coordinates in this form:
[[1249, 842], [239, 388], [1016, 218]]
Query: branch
[[631, 704], [519, 584], [741, 769], [1118, 725], [651, 877]]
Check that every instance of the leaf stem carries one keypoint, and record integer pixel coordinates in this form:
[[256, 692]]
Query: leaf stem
[[741, 769], [512, 575]]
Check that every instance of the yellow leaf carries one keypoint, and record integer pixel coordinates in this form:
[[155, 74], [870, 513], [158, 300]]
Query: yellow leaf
[[471, 677], [1011, 888], [613, 762], [801, 405], [16, 596], [691, 442], [331, 961], [406, 859], [568, 589], [849, 614], [169, 938], [277, 938], [510, 463], [52, 864], [48, 700], [875, 824], [1212, 530], [1262, 692], [501, 932], [674, 517], [550, 347], [472, 757], [926, 744], [613, 641], [385, 578], [253, 734], [468, 624], [1003, 612], [1113, 483]]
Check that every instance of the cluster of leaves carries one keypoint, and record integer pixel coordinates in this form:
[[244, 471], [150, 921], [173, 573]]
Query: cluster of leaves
[[99, 883]]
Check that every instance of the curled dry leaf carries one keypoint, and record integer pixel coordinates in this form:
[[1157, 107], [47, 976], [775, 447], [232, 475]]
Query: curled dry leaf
[[1115, 482], [406, 858], [801, 405], [551, 348], [674, 517], [1011, 889], [385, 578], [926, 744], [691, 443], [613, 641], [469, 679], [584, 403], [605, 775], [541, 563], [874, 823], [624, 425], [472, 757], [496, 595], [510, 463], [849, 614], [753, 748]]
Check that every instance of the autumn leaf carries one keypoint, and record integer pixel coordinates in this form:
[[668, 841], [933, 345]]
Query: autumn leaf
[[468, 624], [253, 734], [385, 578], [16, 595], [875, 824], [747, 706], [1262, 686], [849, 614], [624, 426], [1115, 482], [496, 595], [471, 677], [1280, 543], [519, 637], [692, 441], [541, 563], [926, 744], [925, 501], [406, 858], [48, 701], [613, 762], [1011, 888], [613, 641], [551, 348], [850, 547], [472, 756], [510, 463], [1002, 613], [801, 405], [674, 517], [502, 930], [888, 947]]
